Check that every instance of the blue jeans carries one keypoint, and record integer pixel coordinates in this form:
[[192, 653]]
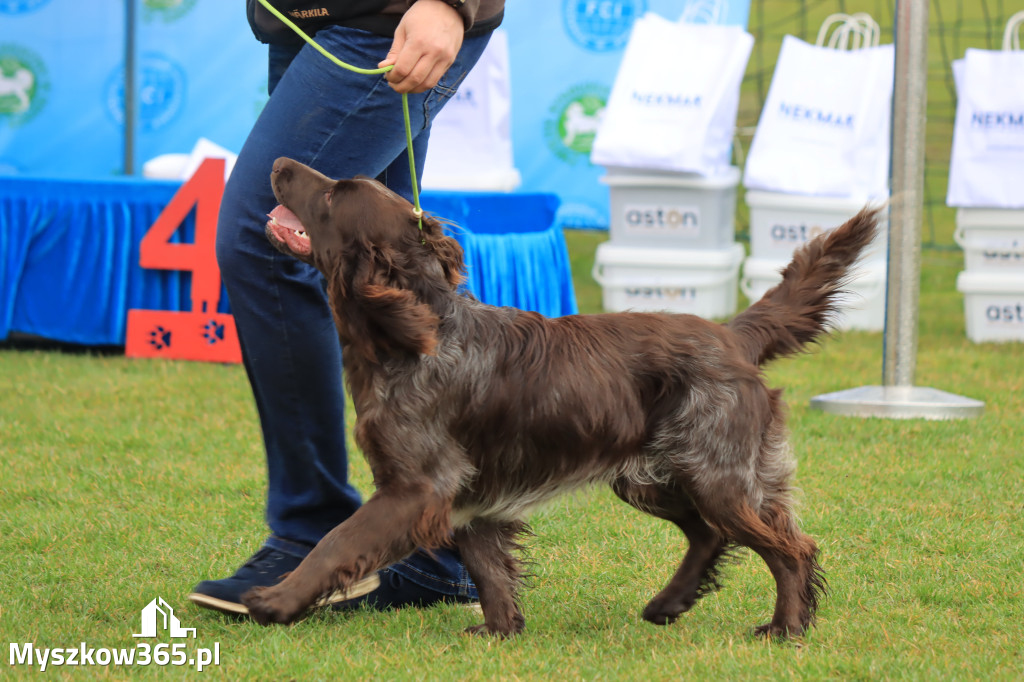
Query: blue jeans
[[342, 124]]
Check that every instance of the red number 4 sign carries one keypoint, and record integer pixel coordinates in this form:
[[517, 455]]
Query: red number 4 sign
[[201, 333]]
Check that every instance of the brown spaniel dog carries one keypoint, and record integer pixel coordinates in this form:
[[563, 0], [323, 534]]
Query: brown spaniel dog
[[471, 416]]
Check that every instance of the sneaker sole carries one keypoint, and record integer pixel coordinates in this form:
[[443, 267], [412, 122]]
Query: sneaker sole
[[361, 588]]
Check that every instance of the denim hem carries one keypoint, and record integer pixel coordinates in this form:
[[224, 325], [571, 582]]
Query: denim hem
[[299, 550], [460, 586]]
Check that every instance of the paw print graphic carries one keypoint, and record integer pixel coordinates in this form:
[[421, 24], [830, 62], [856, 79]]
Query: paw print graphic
[[213, 332], [160, 338]]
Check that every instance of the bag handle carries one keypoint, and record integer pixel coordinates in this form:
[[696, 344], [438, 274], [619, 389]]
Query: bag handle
[[1011, 37], [849, 31]]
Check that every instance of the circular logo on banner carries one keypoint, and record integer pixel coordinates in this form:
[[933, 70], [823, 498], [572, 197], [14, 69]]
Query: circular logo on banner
[[160, 92], [20, 6], [601, 25], [573, 120], [168, 10], [23, 83]]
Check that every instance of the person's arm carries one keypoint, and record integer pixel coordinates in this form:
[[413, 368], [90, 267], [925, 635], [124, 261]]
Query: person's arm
[[427, 40]]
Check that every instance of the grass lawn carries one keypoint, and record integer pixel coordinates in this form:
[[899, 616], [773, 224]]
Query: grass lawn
[[125, 480], [129, 479]]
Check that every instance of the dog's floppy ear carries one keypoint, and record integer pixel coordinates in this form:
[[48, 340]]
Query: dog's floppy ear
[[394, 308], [446, 248], [379, 313]]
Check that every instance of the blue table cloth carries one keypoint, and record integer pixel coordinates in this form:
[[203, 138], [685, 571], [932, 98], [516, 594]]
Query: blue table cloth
[[515, 252], [69, 254], [69, 257]]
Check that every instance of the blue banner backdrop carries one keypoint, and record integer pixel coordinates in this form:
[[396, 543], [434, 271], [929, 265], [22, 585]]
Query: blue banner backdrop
[[200, 73]]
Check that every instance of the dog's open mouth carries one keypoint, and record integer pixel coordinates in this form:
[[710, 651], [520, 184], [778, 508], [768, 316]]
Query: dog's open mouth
[[287, 229]]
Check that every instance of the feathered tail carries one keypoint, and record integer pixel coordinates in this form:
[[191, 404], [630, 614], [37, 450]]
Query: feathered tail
[[798, 310]]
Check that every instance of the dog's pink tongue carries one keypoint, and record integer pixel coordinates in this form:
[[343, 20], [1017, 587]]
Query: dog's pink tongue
[[285, 218]]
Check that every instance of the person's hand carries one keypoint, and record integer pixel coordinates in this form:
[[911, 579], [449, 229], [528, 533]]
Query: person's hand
[[426, 43]]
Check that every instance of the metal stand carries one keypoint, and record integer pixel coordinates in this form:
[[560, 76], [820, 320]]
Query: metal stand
[[898, 397]]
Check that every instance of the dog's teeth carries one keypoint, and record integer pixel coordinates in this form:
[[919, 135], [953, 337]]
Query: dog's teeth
[[300, 233]]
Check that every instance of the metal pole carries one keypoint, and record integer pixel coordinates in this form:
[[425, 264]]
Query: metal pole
[[898, 397], [909, 113], [129, 88]]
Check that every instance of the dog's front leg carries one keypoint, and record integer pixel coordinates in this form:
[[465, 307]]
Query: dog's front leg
[[387, 528], [486, 547]]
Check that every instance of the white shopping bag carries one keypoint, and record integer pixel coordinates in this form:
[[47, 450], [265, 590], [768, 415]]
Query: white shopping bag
[[986, 167], [825, 126], [674, 101], [471, 137]]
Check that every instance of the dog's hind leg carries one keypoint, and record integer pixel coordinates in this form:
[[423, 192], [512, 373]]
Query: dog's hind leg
[[487, 550], [791, 556], [697, 575]]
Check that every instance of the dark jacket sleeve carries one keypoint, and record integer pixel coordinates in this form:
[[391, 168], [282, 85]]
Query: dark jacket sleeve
[[467, 9]]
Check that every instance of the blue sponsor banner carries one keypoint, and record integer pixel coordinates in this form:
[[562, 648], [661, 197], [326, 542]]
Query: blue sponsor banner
[[54, 55], [199, 73], [564, 55]]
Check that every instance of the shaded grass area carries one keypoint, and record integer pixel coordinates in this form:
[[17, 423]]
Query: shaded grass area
[[131, 479]]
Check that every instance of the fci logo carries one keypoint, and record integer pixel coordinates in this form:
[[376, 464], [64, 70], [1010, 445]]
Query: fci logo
[[601, 25]]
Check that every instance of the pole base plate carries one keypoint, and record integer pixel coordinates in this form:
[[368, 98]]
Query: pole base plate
[[898, 402]]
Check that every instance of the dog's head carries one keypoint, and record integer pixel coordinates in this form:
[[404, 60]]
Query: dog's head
[[386, 277]]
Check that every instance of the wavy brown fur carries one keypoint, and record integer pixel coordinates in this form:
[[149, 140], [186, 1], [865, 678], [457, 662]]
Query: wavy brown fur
[[471, 416]]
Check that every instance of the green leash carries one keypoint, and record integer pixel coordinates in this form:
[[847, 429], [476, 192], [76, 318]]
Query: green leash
[[370, 72]]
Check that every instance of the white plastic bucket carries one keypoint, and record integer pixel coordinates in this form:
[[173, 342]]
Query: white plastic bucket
[[676, 210], [862, 309], [698, 282], [992, 239], [780, 223], [993, 305]]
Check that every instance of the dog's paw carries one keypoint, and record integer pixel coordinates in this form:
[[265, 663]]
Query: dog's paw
[[265, 608], [663, 612], [778, 632], [483, 631]]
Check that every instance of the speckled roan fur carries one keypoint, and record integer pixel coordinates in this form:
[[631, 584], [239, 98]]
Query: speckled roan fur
[[470, 415]]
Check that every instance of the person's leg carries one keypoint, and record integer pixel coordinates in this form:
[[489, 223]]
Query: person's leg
[[342, 124]]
